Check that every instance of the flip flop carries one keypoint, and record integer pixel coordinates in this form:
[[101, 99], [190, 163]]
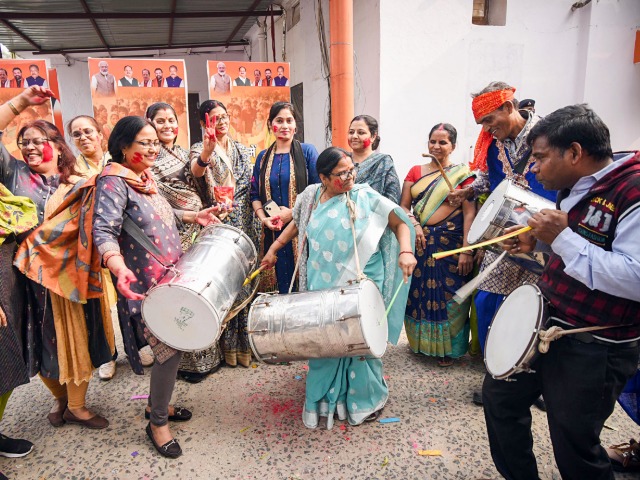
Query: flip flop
[[445, 362]]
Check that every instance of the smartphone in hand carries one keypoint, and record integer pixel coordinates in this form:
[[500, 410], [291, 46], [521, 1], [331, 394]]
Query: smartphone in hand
[[271, 208]]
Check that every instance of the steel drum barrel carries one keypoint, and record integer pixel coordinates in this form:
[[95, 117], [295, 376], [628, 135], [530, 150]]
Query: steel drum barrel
[[338, 322], [187, 307]]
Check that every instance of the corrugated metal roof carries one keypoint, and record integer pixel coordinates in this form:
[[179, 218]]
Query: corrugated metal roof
[[52, 26]]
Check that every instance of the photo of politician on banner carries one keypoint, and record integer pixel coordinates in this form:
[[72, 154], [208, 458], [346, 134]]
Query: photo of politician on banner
[[128, 86], [15, 76], [240, 86]]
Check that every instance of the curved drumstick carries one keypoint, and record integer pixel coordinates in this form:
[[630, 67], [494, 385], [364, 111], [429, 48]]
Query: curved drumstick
[[250, 278], [444, 175], [448, 253]]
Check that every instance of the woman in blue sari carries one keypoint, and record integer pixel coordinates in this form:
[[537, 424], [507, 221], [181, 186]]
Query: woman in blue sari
[[353, 387], [435, 324], [281, 173]]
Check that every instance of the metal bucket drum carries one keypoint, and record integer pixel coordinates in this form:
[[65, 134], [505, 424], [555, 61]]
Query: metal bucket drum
[[512, 340], [188, 306], [509, 204], [338, 322]]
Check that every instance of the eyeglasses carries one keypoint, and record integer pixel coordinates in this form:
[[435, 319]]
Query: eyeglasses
[[87, 132], [38, 141], [346, 174], [148, 144], [222, 118]]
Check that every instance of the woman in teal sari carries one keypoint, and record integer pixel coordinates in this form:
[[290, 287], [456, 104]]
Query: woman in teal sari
[[435, 324], [353, 387]]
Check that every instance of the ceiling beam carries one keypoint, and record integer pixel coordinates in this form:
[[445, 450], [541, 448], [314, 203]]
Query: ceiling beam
[[65, 51], [173, 11], [95, 25], [243, 20], [135, 15], [15, 30]]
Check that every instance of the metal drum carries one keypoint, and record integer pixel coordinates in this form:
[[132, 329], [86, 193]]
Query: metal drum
[[338, 322], [509, 204], [512, 340], [188, 306]]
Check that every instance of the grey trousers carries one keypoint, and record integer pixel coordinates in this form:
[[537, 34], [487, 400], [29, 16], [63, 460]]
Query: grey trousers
[[163, 379]]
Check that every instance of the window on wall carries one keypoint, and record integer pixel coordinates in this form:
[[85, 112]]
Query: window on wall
[[293, 16], [489, 12]]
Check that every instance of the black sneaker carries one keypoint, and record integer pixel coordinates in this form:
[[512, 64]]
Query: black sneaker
[[539, 402], [14, 447], [3, 477], [477, 398]]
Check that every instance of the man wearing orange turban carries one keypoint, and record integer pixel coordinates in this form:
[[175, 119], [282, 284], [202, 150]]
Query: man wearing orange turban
[[501, 152]]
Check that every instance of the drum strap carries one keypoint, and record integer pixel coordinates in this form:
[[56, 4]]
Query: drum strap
[[352, 217], [554, 333], [139, 236]]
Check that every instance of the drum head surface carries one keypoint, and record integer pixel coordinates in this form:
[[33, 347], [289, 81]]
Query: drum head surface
[[487, 213], [373, 321], [512, 330], [181, 318]]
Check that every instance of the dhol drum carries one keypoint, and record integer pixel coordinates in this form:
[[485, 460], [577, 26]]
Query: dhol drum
[[190, 304], [338, 322], [512, 340], [509, 204]]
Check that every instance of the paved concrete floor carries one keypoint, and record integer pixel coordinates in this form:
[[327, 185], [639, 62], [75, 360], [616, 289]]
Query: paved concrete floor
[[247, 425]]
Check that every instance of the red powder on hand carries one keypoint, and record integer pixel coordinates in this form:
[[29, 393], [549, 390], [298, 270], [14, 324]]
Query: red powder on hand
[[207, 122], [47, 152]]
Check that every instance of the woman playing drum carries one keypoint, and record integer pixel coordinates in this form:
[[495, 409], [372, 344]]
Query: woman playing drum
[[219, 163], [126, 189], [352, 386], [435, 324]]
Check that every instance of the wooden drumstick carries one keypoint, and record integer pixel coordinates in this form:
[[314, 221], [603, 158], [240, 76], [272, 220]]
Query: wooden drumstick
[[444, 175], [250, 278]]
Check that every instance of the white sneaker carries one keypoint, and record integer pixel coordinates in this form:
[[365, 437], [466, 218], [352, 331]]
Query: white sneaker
[[107, 370], [146, 356]]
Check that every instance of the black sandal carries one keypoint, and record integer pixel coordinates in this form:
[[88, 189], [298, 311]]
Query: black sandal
[[629, 453], [180, 414], [171, 449], [374, 416]]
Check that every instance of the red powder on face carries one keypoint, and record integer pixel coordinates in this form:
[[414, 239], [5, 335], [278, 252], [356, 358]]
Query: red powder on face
[[175, 131], [274, 128], [367, 142], [47, 152], [337, 183], [137, 158]]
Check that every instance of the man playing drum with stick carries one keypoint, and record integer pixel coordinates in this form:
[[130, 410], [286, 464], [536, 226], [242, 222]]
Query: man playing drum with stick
[[591, 280], [501, 152]]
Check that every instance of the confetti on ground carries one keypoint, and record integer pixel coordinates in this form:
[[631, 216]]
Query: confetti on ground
[[134, 454], [389, 420], [305, 367], [298, 377], [139, 397], [430, 453], [386, 377], [385, 462], [264, 456], [343, 427], [245, 429], [254, 366], [432, 400]]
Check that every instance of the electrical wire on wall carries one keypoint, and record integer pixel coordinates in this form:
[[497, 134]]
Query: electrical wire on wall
[[326, 69], [284, 33]]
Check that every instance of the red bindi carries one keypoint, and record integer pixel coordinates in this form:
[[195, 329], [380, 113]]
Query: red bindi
[[47, 152]]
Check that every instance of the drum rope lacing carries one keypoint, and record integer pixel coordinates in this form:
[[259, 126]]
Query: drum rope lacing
[[555, 332]]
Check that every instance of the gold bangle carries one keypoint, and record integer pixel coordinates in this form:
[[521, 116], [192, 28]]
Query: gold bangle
[[13, 108]]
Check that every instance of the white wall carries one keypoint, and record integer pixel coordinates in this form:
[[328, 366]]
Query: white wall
[[432, 58]]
